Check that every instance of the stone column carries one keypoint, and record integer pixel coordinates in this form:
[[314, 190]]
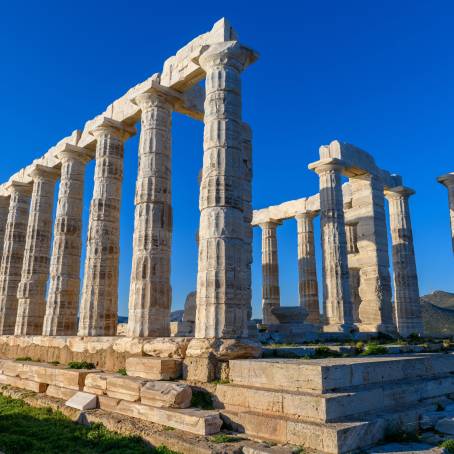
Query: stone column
[[307, 271], [372, 259], [13, 253], [150, 296], [406, 289], [4, 209], [270, 272], [31, 292], [336, 290], [221, 312], [448, 181], [247, 217], [64, 286], [98, 311]]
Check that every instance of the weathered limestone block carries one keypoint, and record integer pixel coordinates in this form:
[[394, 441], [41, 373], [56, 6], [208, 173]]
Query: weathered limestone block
[[13, 254], [82, 401], [59, 392], [221, 311], [99, 307], [4, 209], [154, 368], [64, 286], [336, 286], [25, 384], [307, 271], [270, 272], [150, 295], [124, 387], [97, 381], [406, 288], [448, 181], [166, 394], [108, 403], [200, 422], [167, 347], [31, 292], [71, 378]]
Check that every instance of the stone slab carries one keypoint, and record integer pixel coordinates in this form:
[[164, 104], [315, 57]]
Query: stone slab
[[166, 394], [83, 401], [97, 380], [71, 378], [59, 392], [154, 368], [25, 384]]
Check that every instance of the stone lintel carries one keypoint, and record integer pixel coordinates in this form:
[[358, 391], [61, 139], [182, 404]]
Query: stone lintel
[[19, 186], [116, 127], [447, 179], [72, 151], [171, 95], [327, 164]]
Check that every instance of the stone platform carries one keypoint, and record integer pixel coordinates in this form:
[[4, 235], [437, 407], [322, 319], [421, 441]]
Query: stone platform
[[334, 405]]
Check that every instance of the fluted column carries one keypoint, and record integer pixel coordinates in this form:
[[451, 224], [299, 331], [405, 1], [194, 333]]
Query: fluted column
[[4, 209], [406, 289], [31, 292], [336, 290], [221, 312], [64, 285], [307, 271], [150, 295], [448, 181], [247, 217], [13, 253], [271, 296], [99, 306]]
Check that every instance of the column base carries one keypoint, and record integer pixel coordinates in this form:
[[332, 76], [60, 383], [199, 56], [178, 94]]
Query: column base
[[345, 328]]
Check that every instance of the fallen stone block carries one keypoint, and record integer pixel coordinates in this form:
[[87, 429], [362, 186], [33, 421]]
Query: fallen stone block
[[71, 378], [59, 392], [97, 381], [83, 401], [200, 422], [166, 394], [154, 368], [167, 347], [199, 369], [122, 387]]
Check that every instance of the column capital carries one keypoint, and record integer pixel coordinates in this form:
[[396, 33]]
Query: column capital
[[327, 165], [20, 187], [41, 172], [70, 152], [228, 53], [157, 95], [306, 215], [447, 180], [270, 224], [113, 127], [399, 192]]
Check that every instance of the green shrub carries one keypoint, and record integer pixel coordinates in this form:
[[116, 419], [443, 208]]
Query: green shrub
[[24, 358], [325, 352], [373, 348], [202, 399], [54, 363], [224, 438], [448, 445], [81, 365], [122, 371]]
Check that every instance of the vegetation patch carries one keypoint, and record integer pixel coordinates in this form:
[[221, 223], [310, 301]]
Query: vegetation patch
[[224, 438], [201, 399], [372, 348], [326, 352], [24, 358], [122, 371], [25, 429], [81, 365], [448, 445]]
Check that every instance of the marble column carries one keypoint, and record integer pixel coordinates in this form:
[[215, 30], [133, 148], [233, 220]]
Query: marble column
[[4, 209], [372, 259], [31, 292], [406, 289], [221, 312], [150, 295], [336, 287], [98, 314], [64, 285], [13, 253], [271, 297], [307, 271], [247, 217], [448, 181]]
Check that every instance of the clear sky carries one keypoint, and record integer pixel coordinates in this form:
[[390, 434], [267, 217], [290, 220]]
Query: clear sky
[[377, 74]]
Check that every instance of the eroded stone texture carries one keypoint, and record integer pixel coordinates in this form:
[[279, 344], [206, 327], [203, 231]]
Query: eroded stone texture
[[368, 254], [4, 209], [64, 286], [336, 294], [221, 311], [270, 272], [98, 311], [406, 288], [448, 181], [307, 271], [150, 295], [31, 292]]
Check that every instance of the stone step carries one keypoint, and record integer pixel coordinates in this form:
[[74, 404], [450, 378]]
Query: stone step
[[336, 374], [154, 368], [200, 422], [331, 407]]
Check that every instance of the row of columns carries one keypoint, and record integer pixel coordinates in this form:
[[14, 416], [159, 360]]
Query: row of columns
[[337, 298], [225, 251]]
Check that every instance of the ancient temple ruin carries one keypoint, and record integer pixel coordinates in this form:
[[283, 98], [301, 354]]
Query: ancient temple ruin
[[448, 181]]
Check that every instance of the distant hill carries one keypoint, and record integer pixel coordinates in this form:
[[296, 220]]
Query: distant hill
[[438, 313]]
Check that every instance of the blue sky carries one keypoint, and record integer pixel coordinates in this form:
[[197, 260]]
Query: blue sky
[[376, 74]]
